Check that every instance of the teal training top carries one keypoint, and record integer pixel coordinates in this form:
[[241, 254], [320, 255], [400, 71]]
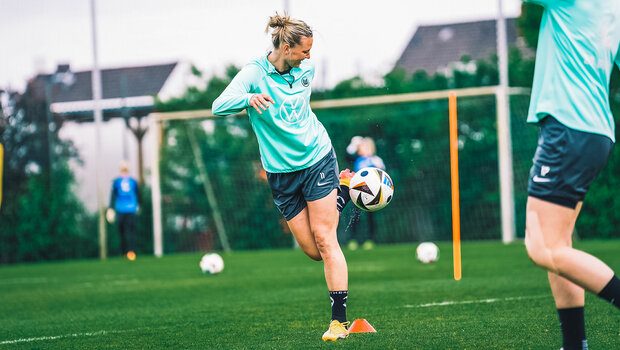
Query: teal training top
[[577, 46], [290, 136]]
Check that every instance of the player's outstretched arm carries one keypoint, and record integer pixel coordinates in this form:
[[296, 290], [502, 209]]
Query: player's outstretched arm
[[240, 93]]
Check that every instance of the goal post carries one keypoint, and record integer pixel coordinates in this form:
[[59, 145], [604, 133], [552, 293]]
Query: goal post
[[379, 115]]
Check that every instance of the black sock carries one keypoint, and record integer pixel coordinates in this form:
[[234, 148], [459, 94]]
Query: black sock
[[573, 328], [339, 305], [611, 292], [343, 197]]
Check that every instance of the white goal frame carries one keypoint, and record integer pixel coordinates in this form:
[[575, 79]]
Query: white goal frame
[[503, 135]]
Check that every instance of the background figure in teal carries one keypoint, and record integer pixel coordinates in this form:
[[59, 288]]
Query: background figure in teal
[[124, 201], [579, 41], [365, 157]]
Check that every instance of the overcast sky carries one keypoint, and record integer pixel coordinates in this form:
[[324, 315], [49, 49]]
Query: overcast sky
[[351, 36]]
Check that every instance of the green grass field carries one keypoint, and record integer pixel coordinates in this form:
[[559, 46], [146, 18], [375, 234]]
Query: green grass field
[[278, 300]]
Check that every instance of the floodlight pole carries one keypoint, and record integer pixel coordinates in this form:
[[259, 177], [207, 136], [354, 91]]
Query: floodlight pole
[[504, 135], [98, 116]]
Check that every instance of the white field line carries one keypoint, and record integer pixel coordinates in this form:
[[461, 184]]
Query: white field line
[[480, 301], [53, 337]]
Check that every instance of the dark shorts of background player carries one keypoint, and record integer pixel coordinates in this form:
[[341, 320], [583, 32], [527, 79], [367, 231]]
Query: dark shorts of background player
[[566, 162], [292, 190]]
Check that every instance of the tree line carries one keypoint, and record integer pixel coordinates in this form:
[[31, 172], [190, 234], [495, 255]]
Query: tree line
[[41, 217]]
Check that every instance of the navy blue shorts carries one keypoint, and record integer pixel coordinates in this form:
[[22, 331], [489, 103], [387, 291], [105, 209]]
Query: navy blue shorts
[[292, 190], [566, 162]]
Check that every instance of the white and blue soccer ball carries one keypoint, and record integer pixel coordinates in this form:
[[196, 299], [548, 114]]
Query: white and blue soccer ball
[[427, 252], [371, 189], [211, 264]]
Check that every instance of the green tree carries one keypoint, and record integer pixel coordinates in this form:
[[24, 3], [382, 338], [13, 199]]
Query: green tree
[[41, 218]]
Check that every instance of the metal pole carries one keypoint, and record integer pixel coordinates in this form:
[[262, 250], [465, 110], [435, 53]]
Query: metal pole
[[155, 128], [125, 117], [49, 118], [503, 133], [96, 86]]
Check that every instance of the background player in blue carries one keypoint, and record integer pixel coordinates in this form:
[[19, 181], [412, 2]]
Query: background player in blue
[[578, 44], [296, 151], [124, 201], [365, 158]]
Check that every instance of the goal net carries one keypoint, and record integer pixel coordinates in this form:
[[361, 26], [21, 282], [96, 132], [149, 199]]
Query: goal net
[[210, 191]]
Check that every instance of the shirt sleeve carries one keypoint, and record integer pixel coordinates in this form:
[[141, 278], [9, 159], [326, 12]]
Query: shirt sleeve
[[236, 97]]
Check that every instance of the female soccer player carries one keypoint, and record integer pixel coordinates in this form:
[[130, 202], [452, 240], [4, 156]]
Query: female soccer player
[[296, 151], [578, 44]]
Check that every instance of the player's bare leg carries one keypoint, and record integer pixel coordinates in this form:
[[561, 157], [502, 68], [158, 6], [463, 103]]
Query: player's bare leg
[[323, 216], [549, 229], [300, 227], [300, 224], [548, 239], [323, 223]]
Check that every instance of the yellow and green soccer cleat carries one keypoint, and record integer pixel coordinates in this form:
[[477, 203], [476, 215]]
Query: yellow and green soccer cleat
[[336, 331]]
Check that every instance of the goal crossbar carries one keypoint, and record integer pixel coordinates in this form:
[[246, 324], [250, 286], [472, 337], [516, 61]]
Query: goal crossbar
[[156, 119], [357, 101]]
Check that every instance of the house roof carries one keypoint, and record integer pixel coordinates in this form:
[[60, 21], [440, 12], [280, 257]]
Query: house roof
[[435, 47], [115, 83], [132, 88]]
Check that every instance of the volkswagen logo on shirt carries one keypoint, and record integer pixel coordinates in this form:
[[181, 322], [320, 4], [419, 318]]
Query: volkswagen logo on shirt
[[291, 110]]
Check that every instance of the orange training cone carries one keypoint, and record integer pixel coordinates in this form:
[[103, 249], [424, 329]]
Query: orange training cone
[[361, 326]]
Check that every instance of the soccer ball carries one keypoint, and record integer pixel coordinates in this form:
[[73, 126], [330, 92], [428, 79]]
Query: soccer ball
[[371, 189], [427, 252], [211, 263]]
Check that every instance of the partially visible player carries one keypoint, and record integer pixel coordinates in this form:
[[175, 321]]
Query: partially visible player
[[366, 158], [578, 44], [124, 202], [296, 151]]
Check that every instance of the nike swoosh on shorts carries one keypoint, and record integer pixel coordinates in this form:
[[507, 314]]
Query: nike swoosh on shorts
[[537, 178]]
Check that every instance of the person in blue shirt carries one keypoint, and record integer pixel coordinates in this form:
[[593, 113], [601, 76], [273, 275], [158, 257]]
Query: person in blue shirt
[[296, 151], [366, 158], [124, 202], [577, 47]]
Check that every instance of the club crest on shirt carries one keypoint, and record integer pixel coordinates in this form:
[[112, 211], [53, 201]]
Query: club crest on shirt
[[305, 82], [291, 111]]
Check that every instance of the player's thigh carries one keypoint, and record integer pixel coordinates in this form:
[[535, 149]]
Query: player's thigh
[[131, 222], [121, 221], [565, 164], [320, 191], [300, 227], [549, 225], [323, 216]]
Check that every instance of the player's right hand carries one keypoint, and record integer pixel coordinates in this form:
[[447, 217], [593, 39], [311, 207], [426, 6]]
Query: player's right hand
[[261, 101]]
